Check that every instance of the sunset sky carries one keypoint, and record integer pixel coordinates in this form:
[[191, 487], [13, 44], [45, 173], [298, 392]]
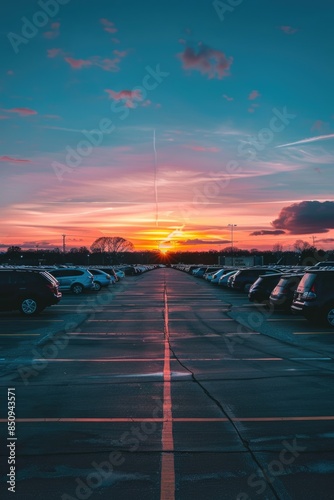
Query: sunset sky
[[164, 122]]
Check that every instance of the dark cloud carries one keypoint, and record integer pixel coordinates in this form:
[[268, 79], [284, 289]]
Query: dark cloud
[[306, 217], [325, 240], [206, 60], [263, 232]]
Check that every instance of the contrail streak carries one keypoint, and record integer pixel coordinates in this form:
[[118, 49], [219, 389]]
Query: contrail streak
[[155, 181], [309, 139]]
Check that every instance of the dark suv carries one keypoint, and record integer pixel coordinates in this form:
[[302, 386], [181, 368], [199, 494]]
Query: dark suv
[[29, 291], [314, 297], [282, 295], [261, 289]]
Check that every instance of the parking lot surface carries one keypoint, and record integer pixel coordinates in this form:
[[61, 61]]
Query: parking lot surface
[[165, 387]]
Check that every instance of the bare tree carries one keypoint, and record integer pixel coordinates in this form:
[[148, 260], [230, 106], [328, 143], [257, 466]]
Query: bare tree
[[113, 245], [301, 245]]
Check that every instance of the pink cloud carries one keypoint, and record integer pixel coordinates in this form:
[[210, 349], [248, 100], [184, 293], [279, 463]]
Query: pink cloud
[[10, 72], [108, 26], [106, 64], [202, 148], [22, 111], [3, 117], [120, 53], [289, 30], [147, 103], [320, 125], [228, 98], [126, 95], [54, 31], [254, 95], [54, 52], [50, 34], [207, 61], [13, 160], [78, 63], [115, 40]]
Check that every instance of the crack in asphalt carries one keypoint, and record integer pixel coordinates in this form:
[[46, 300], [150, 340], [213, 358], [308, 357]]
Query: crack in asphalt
[[225, 412]]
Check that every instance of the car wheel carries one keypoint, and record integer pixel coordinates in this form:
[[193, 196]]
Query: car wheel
[[97, 286], [29, 307], [330, 316], [77, 288]]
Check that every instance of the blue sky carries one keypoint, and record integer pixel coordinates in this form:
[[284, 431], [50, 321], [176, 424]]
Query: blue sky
[[212, 115]]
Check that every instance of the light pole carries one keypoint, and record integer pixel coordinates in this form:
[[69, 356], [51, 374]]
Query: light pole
[[232, 226]]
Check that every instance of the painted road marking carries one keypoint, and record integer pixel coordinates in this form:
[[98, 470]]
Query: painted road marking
[[93, 420], [314, 333], [146, 360], [167, 490], [19, 334]]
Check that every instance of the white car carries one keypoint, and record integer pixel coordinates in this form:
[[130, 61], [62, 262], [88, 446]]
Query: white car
[[101, 278]]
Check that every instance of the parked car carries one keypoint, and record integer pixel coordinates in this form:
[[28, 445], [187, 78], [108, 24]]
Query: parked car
[[314, 297], [111, 272], [29, 291], [199, 273], [244, 278], [282, 295], [261, 289], [101, 278], [128, 270], [223, 280], [120, 274], [217, 275], [76, 279], [324, 263]]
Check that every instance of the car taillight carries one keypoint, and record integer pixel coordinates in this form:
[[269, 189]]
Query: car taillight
[[311, 295]]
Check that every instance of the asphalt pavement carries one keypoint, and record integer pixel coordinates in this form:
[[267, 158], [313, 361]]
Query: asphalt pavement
[[164, 388]]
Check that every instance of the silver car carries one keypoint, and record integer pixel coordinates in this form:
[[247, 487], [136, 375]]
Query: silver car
[[74, 279]]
